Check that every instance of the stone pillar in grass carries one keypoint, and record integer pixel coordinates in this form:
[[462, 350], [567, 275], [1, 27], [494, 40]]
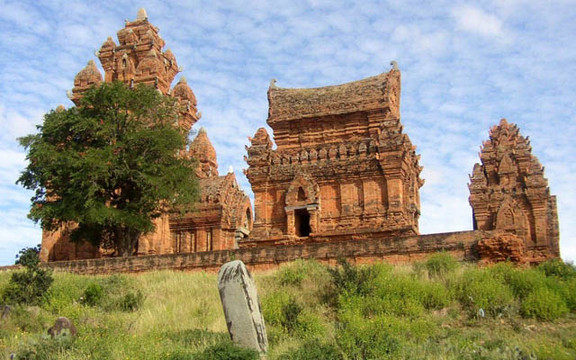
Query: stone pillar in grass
[[241, 307]]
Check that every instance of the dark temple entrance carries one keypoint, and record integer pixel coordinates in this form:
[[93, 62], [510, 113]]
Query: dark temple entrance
[[302, 222]]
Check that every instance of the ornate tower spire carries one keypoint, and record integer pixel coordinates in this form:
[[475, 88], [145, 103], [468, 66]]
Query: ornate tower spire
[[187, 101], [202, 150], [138, 58], [86, 78], [142, 14], [508, 192]]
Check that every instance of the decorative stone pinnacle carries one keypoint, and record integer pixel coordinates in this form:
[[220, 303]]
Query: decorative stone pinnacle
[[273, 84], [394, 65], [142, 14], [182, 80], [202, 130]]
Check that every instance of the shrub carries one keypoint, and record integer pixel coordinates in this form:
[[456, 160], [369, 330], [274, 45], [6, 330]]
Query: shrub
[[227, 351], [477, 289], [272, 305], [114, 293], [93, 294], [282, 310], [435, 296], [131, 301], [558, 268], [361, 338], [441, 264], [313, 350], [29, 256], [292, 274], [290, 313], [522, 282], [543, 304], [403, 295], [353, 279], [568, 292], [31, 285]]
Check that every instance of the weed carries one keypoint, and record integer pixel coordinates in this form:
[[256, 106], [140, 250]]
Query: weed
[[93, 294], [558, 268], [543, 304], [313, 350], [353, 279], [441, 264], [478, 290], [227, 351], [30, 286]]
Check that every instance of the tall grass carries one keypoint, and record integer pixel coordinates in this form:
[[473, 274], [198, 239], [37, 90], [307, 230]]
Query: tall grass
[[435, 309]]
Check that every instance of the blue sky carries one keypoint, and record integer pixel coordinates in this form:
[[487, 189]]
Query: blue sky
[[465, 65]]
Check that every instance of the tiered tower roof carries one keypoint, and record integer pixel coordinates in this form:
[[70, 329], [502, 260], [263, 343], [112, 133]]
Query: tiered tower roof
[[139, 58]]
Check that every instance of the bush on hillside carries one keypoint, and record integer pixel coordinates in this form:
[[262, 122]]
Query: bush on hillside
[[30, 286], [558, 268], [284, 312], [481, 293], [521, 281], [115, 293], [291, 275], [227, 351], [313, 350], [362, 338], [543, 304], [441, 264], [351, 279]]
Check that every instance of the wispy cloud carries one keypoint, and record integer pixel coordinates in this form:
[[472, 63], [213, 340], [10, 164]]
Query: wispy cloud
[[477, 21]]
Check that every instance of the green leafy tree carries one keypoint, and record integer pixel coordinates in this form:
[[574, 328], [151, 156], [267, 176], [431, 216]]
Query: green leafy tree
[[109, 165]]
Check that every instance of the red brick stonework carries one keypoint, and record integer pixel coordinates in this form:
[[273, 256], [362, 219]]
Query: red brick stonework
[[224, 213], [342, 167], [342, 181], [509, 193]]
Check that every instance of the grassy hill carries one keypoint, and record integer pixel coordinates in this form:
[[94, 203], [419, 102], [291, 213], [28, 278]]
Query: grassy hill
[[438, 309]]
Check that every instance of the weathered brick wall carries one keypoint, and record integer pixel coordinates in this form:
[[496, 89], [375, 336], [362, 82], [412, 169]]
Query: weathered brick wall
[[396, 250]]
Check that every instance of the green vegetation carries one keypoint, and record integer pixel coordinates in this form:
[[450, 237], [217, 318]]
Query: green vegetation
[[110, 165], [435, 309], [28, 286]]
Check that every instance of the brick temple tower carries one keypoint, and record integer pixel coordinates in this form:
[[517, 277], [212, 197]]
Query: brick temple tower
[[139, 59], [509, 193], [224, 212], [342, 168]]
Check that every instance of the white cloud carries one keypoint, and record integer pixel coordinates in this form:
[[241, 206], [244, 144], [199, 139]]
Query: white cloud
[[477, 21]]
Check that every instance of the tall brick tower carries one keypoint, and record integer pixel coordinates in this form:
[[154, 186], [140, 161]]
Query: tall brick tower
[[139, 59], [508, 192], [342, 168]]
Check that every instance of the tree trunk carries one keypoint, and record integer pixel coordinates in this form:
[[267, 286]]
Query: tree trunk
[[126, 241]]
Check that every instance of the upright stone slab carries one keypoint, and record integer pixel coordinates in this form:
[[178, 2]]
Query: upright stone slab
[[241, 306]]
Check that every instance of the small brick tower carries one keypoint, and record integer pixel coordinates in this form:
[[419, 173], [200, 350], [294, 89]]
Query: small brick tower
[[509, 193]]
